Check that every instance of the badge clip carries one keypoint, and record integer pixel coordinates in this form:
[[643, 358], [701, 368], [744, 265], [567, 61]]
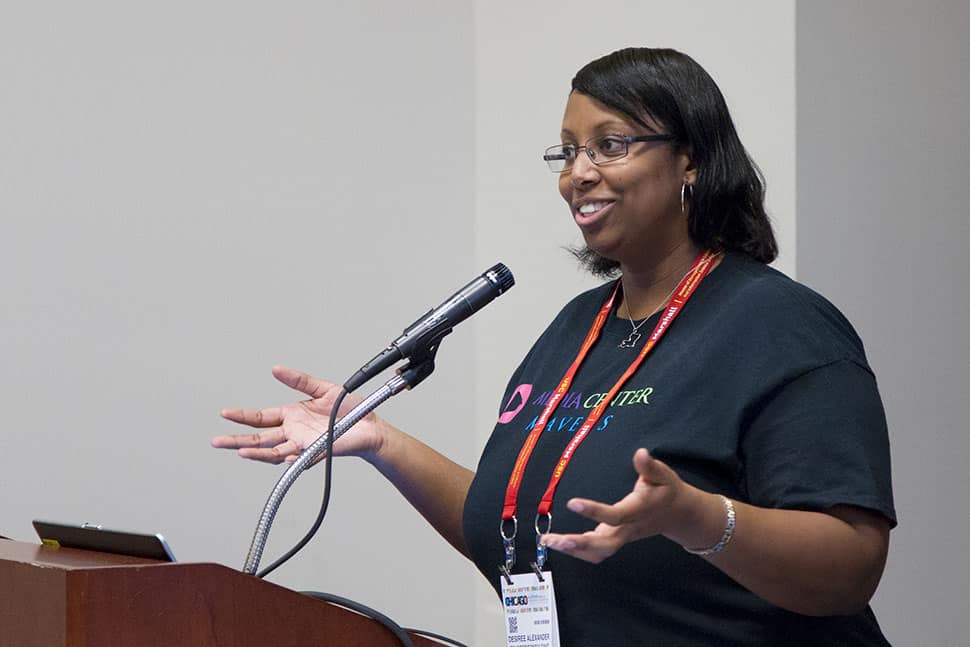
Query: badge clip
[[537, 569], [504, 570], [542, 551], [508, 544]]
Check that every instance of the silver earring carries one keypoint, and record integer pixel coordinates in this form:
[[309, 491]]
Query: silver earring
[[683, 189]]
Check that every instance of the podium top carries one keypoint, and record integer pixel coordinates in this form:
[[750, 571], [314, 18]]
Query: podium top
[[69, 597], [66, 558]]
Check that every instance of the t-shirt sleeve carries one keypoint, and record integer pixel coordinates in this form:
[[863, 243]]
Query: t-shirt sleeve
[[821, 440]]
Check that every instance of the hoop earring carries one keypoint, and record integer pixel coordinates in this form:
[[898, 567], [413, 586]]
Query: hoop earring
[[683, 189]]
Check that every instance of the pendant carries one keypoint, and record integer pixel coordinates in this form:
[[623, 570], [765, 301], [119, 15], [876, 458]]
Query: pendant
[[630, 341]]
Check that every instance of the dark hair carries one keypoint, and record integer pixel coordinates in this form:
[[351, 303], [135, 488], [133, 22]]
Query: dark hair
[[727, 206]]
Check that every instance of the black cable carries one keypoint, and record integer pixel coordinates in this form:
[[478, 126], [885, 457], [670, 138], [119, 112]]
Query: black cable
[[364, 610], [393, 627], [327, 471], [434, 636]]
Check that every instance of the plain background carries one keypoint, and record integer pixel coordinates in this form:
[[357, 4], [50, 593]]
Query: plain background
[[193, 192]]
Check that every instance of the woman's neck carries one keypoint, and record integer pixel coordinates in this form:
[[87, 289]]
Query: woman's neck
[[648, 286]]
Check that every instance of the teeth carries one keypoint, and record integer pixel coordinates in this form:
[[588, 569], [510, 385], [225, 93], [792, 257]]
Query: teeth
[[590, 207]]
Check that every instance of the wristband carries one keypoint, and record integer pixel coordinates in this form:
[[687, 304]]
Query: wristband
[[728, 531]]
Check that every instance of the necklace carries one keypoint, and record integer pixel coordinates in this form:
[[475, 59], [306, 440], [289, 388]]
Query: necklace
[[634, 337]]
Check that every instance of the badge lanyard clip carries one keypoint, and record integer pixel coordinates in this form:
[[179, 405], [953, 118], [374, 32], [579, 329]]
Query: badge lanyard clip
[[508, 543], [542, 551]]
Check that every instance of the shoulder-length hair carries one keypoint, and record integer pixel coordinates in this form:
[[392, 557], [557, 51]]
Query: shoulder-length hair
[[727, 205]]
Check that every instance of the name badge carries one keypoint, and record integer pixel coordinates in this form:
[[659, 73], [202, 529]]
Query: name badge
[[530, 611]]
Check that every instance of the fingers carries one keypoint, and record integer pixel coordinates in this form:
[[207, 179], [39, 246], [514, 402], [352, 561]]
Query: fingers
[[302, 382], [269, 446], [276, 454], [592, 546], [632, 517], [268, 438], [652, 470], [654, 483], [623, 511], [271, 417]]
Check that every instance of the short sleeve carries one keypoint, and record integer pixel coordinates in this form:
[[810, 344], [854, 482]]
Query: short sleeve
[[820, 440]]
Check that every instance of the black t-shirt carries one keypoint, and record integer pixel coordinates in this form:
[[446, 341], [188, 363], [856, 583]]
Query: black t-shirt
[[760, 391]]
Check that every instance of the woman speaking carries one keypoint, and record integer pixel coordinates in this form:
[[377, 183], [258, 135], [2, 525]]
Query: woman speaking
[[696, 450]]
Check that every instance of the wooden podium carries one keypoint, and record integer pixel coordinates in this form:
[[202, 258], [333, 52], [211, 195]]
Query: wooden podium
[[62, 597]]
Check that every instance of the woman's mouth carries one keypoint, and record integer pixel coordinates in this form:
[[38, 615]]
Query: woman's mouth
[[591, 212]]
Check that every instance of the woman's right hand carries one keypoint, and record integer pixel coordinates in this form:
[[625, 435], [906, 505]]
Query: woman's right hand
[[291, 428]]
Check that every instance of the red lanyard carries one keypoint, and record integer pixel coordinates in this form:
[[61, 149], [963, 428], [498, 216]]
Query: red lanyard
[[700, 268]]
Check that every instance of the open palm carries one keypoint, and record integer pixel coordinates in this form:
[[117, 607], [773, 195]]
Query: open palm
[[289, 429]]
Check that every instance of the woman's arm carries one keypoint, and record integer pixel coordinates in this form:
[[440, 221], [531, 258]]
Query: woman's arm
[[435, 485], [813, 563]]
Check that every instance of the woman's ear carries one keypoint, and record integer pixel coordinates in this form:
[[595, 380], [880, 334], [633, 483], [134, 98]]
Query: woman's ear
[[690, 171]]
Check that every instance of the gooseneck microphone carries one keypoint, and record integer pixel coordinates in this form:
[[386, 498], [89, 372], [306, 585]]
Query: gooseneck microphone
[[424, 333], [418, 344]]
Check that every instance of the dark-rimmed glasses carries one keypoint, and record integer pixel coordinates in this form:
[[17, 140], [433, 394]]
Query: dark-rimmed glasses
[[601, 150]]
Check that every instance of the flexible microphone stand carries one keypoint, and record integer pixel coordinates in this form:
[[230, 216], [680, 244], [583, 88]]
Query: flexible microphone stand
[[408, 376]]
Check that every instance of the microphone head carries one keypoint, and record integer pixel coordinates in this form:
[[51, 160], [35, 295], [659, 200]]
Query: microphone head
[[501, 276]]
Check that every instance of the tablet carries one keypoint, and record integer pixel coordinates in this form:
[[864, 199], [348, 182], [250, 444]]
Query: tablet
[[90, 536]]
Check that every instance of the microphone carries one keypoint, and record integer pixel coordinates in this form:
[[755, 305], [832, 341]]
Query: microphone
[[429, 329]]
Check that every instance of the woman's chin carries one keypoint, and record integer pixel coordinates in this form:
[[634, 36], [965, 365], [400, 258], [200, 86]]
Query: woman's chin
[[601, 246]]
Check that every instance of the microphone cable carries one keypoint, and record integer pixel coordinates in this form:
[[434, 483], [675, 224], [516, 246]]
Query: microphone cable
[[399, 632], [327, 473], [364, 610], [428, 634]]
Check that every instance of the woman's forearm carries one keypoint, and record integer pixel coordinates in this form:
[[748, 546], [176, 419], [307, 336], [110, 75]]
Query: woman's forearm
[[813, 563], [435, 485]]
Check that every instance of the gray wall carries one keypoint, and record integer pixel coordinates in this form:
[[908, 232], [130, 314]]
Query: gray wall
[[883, 224], [192, 192]]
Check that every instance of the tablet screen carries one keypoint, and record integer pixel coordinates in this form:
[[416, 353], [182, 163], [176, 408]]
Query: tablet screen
[[95, 537]]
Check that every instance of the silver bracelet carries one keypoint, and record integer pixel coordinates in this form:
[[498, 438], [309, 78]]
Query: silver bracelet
[[728, 531]]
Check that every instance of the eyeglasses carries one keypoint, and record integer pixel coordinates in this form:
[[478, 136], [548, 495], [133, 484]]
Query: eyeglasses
[[601, 150]]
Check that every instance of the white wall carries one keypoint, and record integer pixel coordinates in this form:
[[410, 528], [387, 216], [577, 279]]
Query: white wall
[[191, 192], [883, 222]]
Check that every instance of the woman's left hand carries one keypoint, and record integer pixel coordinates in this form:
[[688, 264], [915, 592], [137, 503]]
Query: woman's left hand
[[659, 504]]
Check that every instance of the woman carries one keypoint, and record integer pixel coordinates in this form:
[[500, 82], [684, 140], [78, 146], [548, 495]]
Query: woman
[[761, 513]]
